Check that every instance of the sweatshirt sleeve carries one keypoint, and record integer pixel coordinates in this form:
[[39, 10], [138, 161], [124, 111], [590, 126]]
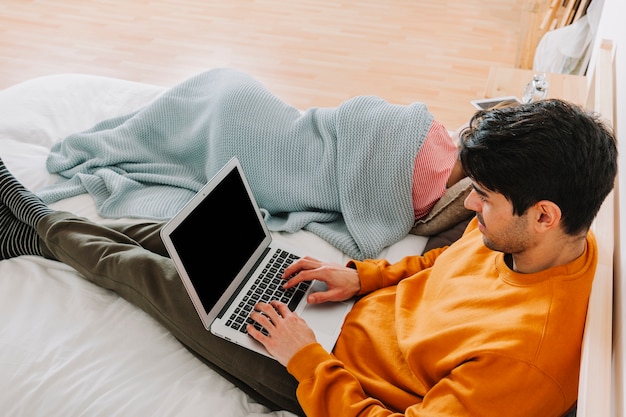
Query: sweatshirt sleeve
[[325, 387], [376, 274], [487, 386]]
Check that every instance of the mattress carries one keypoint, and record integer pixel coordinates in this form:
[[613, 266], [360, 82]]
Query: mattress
[[68, 347]]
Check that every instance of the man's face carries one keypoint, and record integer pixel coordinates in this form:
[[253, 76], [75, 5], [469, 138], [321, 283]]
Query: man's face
[[502, 230]]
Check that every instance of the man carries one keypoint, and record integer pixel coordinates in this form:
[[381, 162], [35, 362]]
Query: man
[[491, 325]]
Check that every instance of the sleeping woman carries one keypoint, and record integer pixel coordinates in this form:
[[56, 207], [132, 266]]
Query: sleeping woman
[[358, 175]]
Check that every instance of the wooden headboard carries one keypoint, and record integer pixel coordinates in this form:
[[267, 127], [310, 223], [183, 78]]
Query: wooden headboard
[[594, 392]]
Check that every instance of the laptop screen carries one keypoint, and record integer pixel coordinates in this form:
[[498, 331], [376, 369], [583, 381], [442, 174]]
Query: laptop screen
[[218, 238]]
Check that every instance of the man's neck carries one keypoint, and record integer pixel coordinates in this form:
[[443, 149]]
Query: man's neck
[[548, 256]]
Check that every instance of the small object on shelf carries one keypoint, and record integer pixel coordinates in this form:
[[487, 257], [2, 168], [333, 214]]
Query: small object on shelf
[[489, 103], [536, 89]]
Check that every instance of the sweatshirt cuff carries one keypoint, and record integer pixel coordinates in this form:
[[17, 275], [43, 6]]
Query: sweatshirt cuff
[[369, 275], [304, 363]]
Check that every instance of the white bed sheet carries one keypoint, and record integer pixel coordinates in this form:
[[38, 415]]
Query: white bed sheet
[[68, 347]]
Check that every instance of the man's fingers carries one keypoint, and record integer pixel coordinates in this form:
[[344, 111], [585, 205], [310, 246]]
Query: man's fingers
[[269, 314], [302, 264], [262, 319], [281, 308]]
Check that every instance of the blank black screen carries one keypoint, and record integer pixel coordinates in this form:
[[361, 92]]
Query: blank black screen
[[218, 238]]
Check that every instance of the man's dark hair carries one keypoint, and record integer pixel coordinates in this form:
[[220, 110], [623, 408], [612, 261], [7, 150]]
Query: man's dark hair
[[545, 150]]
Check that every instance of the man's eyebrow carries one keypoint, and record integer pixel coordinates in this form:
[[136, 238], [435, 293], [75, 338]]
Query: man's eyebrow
[[479, 191]]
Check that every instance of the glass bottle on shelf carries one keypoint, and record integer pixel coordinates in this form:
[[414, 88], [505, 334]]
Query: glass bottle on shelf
[[536, 89]]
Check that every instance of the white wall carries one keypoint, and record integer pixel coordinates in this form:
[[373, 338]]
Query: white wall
[[612, 26]]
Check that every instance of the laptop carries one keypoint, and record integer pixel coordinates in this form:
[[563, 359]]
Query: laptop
[[227, 260]]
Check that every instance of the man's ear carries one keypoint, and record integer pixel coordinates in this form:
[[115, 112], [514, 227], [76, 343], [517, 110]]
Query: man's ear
[[547, 214]]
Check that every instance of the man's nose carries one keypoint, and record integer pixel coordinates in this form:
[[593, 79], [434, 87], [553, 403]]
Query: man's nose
[[472, 201]]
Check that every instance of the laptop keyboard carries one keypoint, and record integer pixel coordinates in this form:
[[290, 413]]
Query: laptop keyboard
[[268, 287]]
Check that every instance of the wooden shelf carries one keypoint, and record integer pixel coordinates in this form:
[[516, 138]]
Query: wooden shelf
[[504, 81]]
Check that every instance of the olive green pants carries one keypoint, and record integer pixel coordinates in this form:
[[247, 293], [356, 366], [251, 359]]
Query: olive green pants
[[131, 260]]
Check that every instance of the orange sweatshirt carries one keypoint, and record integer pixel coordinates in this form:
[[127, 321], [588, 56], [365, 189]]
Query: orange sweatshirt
[[454, 333]]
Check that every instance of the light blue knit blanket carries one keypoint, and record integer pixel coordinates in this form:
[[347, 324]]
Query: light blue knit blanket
[[343, 173]]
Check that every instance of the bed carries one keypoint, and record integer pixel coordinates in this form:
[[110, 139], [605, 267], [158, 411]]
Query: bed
[[70, 348]]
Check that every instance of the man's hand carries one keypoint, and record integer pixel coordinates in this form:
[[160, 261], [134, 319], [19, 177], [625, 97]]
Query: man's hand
[[342, 282], [288, 333]]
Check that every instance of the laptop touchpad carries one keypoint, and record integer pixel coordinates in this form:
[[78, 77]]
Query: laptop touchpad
[[323, 318]]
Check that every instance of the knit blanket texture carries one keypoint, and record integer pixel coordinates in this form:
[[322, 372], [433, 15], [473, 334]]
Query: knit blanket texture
[[343, 173]]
